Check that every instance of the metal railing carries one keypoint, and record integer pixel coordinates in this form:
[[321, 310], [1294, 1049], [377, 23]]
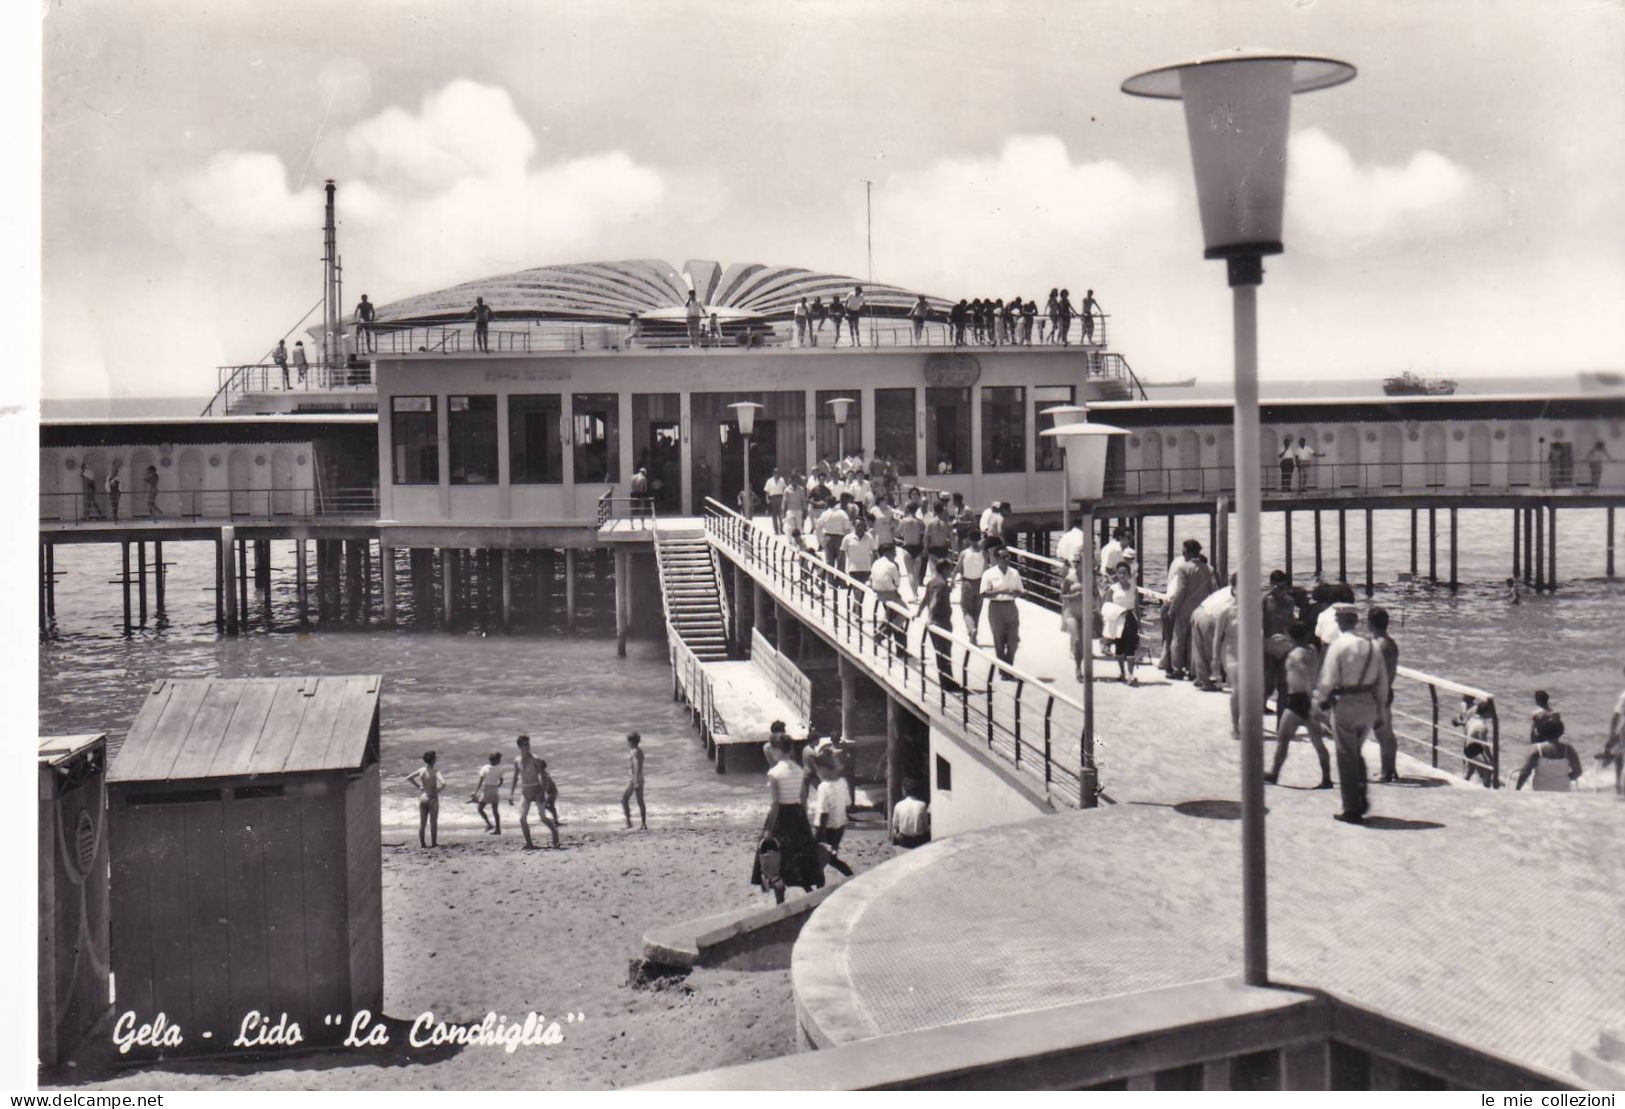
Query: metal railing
[[636, 512], [1017, 717], [1417, 726], [209, 504], [1360, 478], [691, 682], [268, 378]]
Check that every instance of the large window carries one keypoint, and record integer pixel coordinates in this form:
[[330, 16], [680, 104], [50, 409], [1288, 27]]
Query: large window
[[1004, 429], [414, 441], [894, 429], [597, 437], [471, 433], [832, 440], [535, 451], [1046, 452], [947, 431]]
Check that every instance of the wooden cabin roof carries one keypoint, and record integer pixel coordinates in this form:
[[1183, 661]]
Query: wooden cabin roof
[[238, 727], [54, 750]]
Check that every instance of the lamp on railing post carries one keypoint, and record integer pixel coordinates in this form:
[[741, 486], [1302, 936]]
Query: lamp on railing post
[[1086, 480], [842, 409], [745, 415], [1066, 414], [1237, 107]]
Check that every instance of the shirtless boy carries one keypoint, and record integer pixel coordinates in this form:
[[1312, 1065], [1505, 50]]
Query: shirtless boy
[[530, 775], [634, 784], [429, 783]]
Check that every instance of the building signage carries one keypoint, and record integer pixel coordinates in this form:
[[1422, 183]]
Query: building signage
[[952, 371]]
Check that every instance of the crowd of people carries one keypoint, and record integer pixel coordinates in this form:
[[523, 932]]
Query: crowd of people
[[994, 321]]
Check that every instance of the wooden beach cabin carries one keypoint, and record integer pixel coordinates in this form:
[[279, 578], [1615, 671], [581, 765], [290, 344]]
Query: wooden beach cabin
[[246, 867], [73, 991]]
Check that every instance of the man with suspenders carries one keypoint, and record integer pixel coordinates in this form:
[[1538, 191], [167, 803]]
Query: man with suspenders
[[1353, 686]]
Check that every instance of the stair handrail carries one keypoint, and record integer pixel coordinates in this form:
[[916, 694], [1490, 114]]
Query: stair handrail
[[685, 663]]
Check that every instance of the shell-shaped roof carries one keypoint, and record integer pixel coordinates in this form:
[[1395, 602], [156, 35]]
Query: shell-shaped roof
[[612, 291]]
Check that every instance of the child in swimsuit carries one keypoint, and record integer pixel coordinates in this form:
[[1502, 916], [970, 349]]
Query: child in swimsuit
[[429, 783], [488, 791]]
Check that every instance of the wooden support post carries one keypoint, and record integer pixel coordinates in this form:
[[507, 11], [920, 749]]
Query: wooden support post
[[1517, 538], [448, 586], [622, 595], [758, 605], [1222, 553], [262, 566], [352, 580], [228, 576], [366, 580], [1318, 568], [125, 585], [892, 753], [141, 581], [1212, 535], [507, 589], [44, 620], [1369, 586], [570, 587], [50, 580], [386, 580], [242, 582], [219, 586], [1413, 542], [1287, 522], [1170, 557], [301, 581], [1433, 545], [1139, 540], [1342, 546], [1607, 566], [1551, 548], [1540, 547], [1453, 536], [849, 695], [158, 579], [1528, 545]]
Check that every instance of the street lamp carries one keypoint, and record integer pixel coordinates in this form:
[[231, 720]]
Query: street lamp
[[1066, 414], [745, 415], [1237, 107], [842, 407], [1085, 446]]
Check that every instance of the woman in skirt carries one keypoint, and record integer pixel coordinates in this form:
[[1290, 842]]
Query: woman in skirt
[[787, 828], [1120, 620]]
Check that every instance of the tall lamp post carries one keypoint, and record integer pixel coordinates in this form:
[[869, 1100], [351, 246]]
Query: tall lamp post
[[1085, 446], [1066, 414], [842, 410], [1237, 107], [745, 416]]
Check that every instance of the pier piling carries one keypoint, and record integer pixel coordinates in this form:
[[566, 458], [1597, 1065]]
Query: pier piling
[[1369, 586], [1287, 521], [1433, 546], [891, 755], [849, 694], [1551, 548], [1453, 535], [622, 596], [1540, 548], [448, 586], [352, 580], [1139, 563], [44, 621], [1222, 551], [1318, 569], [219, 586], [570, 588], [1517, 537], [228, 576], [1413, 542], [386, 577], [124, 548], [141, 579], [301, 582], [158, 575], [1342, 546], [1608, 565], [50, 579]]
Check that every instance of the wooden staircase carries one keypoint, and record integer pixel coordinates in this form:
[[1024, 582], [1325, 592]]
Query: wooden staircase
[[692, 588]]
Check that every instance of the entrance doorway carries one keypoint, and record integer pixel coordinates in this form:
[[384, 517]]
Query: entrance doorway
[[665, 456], [764, 455]]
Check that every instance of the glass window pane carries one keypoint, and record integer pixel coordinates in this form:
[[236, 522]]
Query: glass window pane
[[1004, 429], [894, 429], [597, 437], [414, 441], [471, 434], [1046, 453], [535, 450], [831, 439], [947, 431]]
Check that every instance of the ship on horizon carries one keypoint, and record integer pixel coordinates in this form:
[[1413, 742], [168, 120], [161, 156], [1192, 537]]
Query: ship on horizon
[[1408, 384]]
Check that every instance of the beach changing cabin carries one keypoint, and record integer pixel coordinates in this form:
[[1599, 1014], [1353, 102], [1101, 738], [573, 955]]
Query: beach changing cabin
[[246, 867], [73, 989]]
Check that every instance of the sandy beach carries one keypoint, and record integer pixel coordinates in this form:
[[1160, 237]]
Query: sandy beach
[[482, 925]]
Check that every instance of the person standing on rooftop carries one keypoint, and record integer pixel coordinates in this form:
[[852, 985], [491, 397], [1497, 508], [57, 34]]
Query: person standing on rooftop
[[695, 315], [816, 315], [364, 315], [958, 319], [150, 480], [1064, 312], [918, 315], [1087, 311], [481, 314], [837, 313], [300, 365], [802, 320], [854, 314], [1052, 312], [280, 357], [1288, 459], [1303, 458], [1029, 312]]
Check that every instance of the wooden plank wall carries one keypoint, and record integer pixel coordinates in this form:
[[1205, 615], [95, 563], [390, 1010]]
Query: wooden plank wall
[[364, 867]]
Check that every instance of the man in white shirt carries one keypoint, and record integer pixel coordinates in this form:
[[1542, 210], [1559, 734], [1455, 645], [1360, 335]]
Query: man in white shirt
[[858, 551], [886, 581], [1304, 456], [972, 565], [1112, 553], [1070, 545], [854, 314], [833, 526], [774, 487], [1001, 585], [1353, 685], [993, 522], [910, 818]]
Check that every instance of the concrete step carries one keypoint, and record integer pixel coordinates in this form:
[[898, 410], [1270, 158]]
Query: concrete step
[[1597, 1071], [1611, 1044]]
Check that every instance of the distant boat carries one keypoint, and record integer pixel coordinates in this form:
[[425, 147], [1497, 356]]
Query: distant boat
[[1408, 384], [1186, 384]]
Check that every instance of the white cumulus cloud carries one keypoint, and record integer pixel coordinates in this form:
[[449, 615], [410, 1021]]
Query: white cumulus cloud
[[1337, 202]]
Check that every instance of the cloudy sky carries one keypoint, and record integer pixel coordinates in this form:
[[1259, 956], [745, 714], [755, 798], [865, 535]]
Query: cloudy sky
[[1459, 208]]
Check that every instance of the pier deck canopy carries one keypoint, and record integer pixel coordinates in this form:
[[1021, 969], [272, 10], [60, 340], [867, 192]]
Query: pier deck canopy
[[248, 727]]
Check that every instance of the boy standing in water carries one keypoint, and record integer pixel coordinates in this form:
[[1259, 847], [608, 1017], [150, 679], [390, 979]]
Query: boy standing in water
[[488, 791], [429, 783], [530, 773], [634, 784]]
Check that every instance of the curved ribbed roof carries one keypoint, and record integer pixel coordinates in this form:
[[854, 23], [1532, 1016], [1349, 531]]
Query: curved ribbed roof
[[611, 291]]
